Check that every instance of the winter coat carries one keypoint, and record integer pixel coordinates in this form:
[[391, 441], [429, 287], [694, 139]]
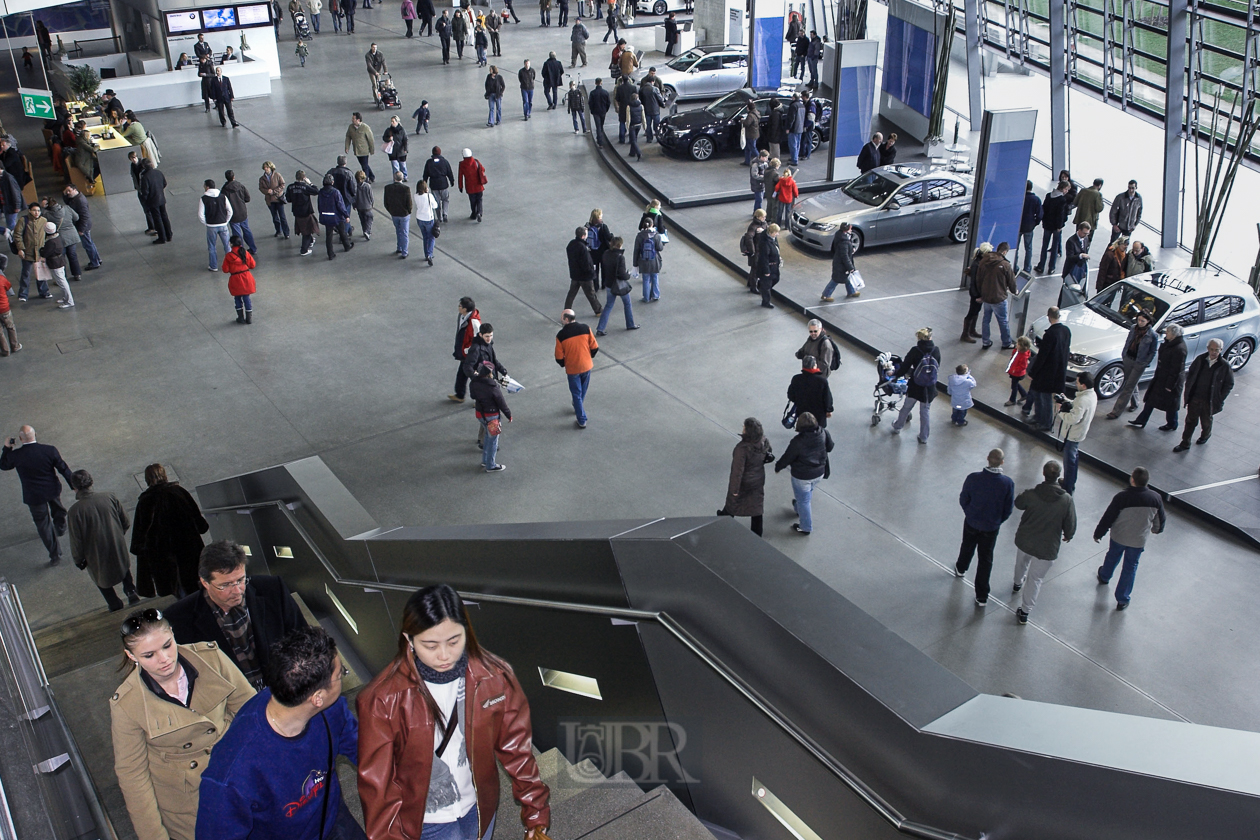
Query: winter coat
[[398, 201], [1054, 211], [573, 103], [152, 190], [996, 278], [272, 187], [806, 455], [1126, 212], [363, 198], [768, 258], [1135, 263], [1089, 206], [472, 176], [636, 114], [1048, 368], [774, 128], [1134, 513], [11, 193], [1164, 392], [1073, 424], [166, 539], [299, 194], [488, 397], [98, 537], [479, 351], [240, 280], [746, 490], [987, 499], [360, 140], [437, 171], [612, 268], [408, 10], [786, 190], [810, 392], [647, 266], [627, 63], [959, 387], [398, 136], [59, 213], [1074, 252], [1032, 213], [1145, 346], [757, 174], [552, 73], [910, 362], [54, 251], [580, 34], [752, 128], [30, 235], [459, 27], [1222, 380], [650, 98], [581, 262], [1110, 271], [820, 348], [162, 747], [332, 207], [658, 220], [495, 85], [526, 77], [238, 196], [600, 101], [1049, 518]]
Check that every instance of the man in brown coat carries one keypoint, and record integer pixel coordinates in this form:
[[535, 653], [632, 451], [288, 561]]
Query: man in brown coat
[[98, 540], [996, 279]]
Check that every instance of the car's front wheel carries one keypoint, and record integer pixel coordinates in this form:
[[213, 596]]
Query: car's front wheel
[[659, 7], [1239, 353], [671, 94], [815, 139], [702, 148], [960, 230], [1109, 381]]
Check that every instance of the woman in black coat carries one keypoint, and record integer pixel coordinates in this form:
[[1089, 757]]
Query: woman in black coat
[[974, 300], [1164, 392], [746, 491], [916, 393], [616, 279], [806, 456], [166, 537]]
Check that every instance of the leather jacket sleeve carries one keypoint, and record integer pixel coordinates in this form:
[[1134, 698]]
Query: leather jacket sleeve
[[515, 752], [379, 790]]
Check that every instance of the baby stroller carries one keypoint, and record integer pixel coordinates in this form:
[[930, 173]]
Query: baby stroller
[[303, 28], [890, 390], [386, 94]]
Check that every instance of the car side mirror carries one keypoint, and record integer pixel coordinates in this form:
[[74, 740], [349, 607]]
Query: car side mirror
[[692, 70], [893, 205]]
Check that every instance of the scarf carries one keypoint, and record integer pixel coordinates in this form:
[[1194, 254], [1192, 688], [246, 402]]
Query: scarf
[[442, 677]]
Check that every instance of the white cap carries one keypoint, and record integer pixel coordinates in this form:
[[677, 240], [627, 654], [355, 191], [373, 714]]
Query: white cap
[[467, 153], [50, 227]]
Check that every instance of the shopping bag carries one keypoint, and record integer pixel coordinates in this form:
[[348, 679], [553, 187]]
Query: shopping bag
[[856, 281], [512, 386]]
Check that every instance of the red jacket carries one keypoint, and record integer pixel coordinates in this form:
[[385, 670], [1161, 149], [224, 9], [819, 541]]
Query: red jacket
[[241, 281], [1019, 363], [473, 175], [396, 749], [786, 190]]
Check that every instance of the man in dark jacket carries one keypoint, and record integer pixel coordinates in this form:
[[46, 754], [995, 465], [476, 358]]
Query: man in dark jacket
[[1054, 213], [997, 280], [671, 34], [343, 180], [600, 103], [299, 194], [1028, 222], [1133, 513], [623, 96], [37, 465], [652, 101], [768, 261], [1048, 370], [806, 456], [819, 346], [1164, 391], [1207, 385], [238, 196], [841, 264], [526, 77], [987, 499], [243, 614], [152, 192], [868, 158], [78, 203], [809, 391], [333, 215], [774, 132], [1076, 260], [1049, 519], [552, 78], [813, 55], [222, 94], [581, 271], [11, 198], [1136, 357], [399, 206], [440, 177], [481, 350]]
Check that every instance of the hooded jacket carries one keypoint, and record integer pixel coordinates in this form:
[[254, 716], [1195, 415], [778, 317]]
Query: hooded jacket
[[806, 455], [332, 207], [996, 278], [1049, 518]]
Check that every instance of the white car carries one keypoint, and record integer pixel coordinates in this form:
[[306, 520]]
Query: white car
[[705, 72], [662, 7]]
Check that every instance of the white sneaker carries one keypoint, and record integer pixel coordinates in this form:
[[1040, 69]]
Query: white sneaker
[[64, 305]]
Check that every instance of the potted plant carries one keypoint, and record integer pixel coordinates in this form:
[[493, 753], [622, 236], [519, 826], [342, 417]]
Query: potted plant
[[84, 83]]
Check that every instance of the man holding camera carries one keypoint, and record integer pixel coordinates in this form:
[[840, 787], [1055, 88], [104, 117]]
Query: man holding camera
[[37, 465], [1075, 415]]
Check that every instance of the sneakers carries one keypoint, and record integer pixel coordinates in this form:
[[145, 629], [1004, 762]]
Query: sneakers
[[304, 253], [959, 572], [497, 468], [1122, 605], [65, 304], [1021, 616], [796, 526], [455, 398], [826, 299], [982, 602]]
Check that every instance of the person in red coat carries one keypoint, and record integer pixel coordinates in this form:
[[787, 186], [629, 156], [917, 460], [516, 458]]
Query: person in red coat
[[472, 180], [786, 192], [237, 263]]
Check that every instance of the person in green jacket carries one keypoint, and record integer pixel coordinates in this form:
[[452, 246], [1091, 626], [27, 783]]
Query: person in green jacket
[[1049, 519], [1089, 206], [359, 137]]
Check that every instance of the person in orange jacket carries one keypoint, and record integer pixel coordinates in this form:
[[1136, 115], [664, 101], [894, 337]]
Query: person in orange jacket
[[472, 180], [786, 192], [237, 263]]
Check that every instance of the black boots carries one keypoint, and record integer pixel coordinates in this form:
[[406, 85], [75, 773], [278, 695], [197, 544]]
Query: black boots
[[249, 316], [244, 316], [240, 316]]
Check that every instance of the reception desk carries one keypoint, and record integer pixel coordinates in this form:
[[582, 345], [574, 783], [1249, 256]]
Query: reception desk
[[179, 88]]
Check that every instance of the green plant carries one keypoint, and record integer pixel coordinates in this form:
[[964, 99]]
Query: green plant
[[84, 82]]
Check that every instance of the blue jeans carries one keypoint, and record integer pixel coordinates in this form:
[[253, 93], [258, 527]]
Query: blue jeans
[[1017, 390], [10, 221], [315, 22], [496, 110], [579, 115], [243, 302], [998, 309], [402, 236], [400, 166], [794, 146], [481, 56], [1050, 240], [215, 233], [279, 219], [489, 448], [24, 281], [464, 828], [426, 231], [1071, 461], [1039, 405], [1124, 586], [925, 417], [366, 165], [527, 101], [832, 285], [958, 416], [1026, 237], [336, 23], [651, 287], [89, 247], [608, 308], [650, 128], [242, 230], [803, 491], [750, 152], [759, 196], [578, 383]]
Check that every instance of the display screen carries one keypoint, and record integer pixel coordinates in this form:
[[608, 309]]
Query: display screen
[[183, 21], [252, 15], [219, 18]]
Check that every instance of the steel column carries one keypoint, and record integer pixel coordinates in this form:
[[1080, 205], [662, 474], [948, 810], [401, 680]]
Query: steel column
[[1059, 84], [1174, 120], [975, 63]]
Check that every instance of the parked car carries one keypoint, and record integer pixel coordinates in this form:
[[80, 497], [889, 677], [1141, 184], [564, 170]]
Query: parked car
[[1204, 303], [888, 204], [716, 127], [661, 7], [704, 72]]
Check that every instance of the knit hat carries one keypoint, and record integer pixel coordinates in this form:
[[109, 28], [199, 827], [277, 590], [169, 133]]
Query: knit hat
[[467, 153], [50, 227]]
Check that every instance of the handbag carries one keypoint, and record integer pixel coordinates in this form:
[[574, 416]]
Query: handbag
[[494, 426], [789, 416], [621, 287], [388, 147], [856, 281], [43, 272]]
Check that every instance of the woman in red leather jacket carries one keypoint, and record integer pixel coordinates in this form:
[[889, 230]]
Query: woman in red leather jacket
[[431, 726]]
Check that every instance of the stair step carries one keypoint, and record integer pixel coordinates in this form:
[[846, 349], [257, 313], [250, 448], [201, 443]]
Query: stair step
[[563, 779], [594, 807], [660, 815]]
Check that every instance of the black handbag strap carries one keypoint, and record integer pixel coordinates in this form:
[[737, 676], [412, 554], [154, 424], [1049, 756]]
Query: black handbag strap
[[450, 730]]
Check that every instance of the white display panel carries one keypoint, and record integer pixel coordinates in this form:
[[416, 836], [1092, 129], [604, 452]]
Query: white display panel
[[219, 18], [183, 21], [253, 15]]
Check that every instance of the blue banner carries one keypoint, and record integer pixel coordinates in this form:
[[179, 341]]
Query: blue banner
[[1005, 178], [909, 64], [854, 106], [767, 53]]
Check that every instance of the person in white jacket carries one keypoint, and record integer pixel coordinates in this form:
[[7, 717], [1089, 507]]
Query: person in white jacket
[[1075, 415]]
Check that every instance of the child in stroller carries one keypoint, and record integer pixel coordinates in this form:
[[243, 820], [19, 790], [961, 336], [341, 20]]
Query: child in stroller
[[386, 93], [890, 390], [303, 28]]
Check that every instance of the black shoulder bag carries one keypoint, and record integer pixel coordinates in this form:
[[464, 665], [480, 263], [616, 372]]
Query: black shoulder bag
[[323, 814]]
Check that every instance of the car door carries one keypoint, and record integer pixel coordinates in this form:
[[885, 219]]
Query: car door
[[940, 206], [702, 78], [733, 75], [1222, 316], [898, 219], [1187, 315]]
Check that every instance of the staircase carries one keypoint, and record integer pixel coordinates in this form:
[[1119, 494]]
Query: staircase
[[587, 806]]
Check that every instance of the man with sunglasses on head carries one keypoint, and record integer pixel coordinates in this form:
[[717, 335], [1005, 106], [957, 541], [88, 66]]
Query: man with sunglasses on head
[[244, 615]]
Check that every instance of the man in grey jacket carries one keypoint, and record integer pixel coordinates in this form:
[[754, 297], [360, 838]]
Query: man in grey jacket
[[1049, 519], [1139, 352], [579, 37], [1133, 513], [1126, 212]]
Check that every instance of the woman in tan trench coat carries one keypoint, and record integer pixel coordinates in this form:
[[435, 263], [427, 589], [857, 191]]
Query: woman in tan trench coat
[[166, 717]]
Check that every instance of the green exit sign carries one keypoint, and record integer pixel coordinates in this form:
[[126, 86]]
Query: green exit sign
[[36, 103]]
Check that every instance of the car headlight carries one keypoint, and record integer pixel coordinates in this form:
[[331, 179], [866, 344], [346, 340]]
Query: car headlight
[[824, 227], [1081, 360]]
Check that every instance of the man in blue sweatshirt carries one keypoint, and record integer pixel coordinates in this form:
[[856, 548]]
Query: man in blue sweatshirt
[[987, 499], [1134, 512], [274, 774]]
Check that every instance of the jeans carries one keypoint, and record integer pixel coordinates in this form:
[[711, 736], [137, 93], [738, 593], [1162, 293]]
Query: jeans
[[832, 285], [544, 15], [489, 448], [216, 233], [24, 281], [958, 416], [1132, 373], [608, 309], [243, 302], [1038, 405], [750, 151], [1131, 554], [1071, 463], [598, 124], [1017, 390], [578, 383], [1170, 417], [279, 218], [1025, 238], [89, 247], [129, 589], [998, 309], [1050, 243], [903, 416], [465, 828], [634, 141], [315, 22], [759, 196], [10, 221], [807, 141], [400, 166], [481, 56], [242, 230], [549, 91], [813, 71], [794, 146], [366, 165], [527, 102], [496, 110], [802, 492], [1030, 571], [980, 543], [336, 23], [50, 520], [651, 287], [402, 236], [579, 115], [651, 121], [344, 826], [426, 232]]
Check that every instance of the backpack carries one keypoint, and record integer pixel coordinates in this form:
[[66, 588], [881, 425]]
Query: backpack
[[649, 247], [746, 244], [925, 371], [592, 237], [835, 355]]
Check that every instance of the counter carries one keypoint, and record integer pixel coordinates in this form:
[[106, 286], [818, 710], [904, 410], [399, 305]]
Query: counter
[[179, 88]]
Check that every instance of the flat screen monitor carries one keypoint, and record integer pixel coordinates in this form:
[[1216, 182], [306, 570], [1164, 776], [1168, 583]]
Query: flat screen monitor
[[219, 18], [183, 21], [258, 14]]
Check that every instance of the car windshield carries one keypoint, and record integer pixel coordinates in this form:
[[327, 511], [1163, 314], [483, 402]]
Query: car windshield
[[728, 106], [1120, 304], [871, 188], [684, 61]]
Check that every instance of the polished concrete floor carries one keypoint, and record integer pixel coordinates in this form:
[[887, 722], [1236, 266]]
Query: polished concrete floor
[[350, 359]]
